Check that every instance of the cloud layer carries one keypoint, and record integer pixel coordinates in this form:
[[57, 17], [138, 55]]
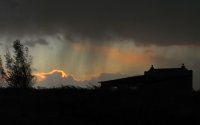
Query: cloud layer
[[33, 43], [144, 22], [86, 37], [58, 78]]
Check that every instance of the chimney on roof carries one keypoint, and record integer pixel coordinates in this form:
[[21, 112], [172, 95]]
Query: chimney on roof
[[152, 68], [183, 66]]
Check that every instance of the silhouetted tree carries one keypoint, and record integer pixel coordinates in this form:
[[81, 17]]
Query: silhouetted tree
[[18, 72], [2, 73]]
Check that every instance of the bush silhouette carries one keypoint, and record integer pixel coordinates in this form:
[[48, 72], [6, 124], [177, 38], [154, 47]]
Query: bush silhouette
[[18, 73]]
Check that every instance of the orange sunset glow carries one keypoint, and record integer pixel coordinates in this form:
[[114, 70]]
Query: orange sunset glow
[[111, 59], [41, 76], [118, 54], [127, 57]]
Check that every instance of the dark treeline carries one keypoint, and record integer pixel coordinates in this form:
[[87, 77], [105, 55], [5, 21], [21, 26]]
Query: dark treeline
[[97, 106]]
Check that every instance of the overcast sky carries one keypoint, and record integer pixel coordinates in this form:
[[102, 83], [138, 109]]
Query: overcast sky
[[87, 38]]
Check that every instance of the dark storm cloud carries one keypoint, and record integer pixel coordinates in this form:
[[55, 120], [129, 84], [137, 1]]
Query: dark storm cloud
[[38, 41], [145, 22]]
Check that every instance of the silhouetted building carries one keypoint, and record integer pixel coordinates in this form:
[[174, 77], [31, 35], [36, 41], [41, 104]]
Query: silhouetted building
[[167, 80]]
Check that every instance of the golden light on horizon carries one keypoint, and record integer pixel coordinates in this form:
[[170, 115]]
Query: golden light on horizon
[[91, 61], [43, 75]]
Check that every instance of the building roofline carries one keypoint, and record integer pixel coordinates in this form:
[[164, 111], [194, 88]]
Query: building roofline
[[121, 78]]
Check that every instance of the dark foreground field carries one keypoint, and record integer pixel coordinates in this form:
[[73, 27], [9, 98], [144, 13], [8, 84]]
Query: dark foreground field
[[79, 106]]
